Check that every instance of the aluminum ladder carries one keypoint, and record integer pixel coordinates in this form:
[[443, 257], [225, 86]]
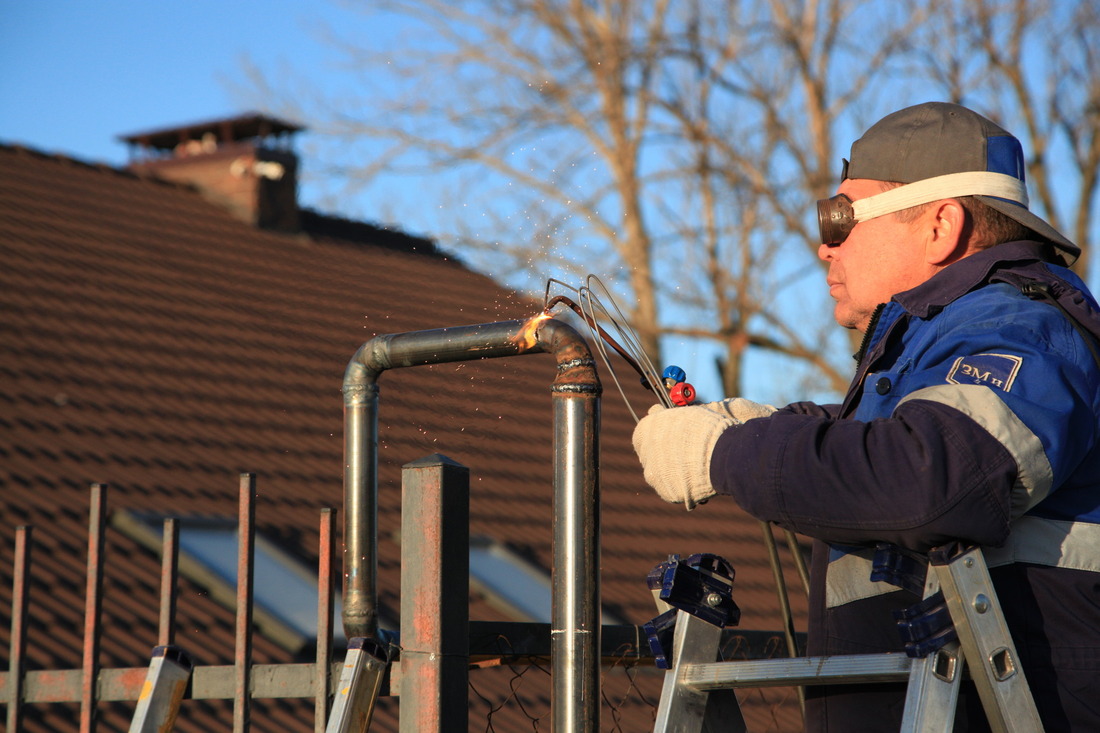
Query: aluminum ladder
[[689, 703], [165, 683], [360, 683]]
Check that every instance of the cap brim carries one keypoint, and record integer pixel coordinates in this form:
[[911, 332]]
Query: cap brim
[[1069, 250]]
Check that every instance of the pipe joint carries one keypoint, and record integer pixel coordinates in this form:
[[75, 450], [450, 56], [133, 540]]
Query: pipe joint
[[575, 365]]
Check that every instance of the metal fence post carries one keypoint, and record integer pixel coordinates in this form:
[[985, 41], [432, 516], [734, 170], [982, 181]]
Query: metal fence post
[[20, 598], [93, 606], [435, 587], [242, 661], [323, 685]]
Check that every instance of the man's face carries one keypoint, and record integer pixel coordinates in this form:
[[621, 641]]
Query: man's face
[[881, 257]]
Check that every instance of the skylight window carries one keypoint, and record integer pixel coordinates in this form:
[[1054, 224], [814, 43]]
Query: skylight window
[[515, 586], [284, 588], [282, 584], [511, 583]]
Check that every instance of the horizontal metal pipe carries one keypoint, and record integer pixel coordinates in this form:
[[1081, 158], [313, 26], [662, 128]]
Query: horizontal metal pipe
[[436, 346]]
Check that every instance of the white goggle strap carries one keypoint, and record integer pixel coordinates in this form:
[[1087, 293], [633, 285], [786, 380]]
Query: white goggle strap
[[971, 183]]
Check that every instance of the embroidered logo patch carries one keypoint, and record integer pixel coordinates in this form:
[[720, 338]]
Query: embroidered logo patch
[[990, 370]]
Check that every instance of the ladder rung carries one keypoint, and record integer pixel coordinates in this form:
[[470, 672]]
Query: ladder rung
[[843, 668]]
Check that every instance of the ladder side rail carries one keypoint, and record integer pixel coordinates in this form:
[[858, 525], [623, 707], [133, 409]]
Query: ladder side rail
[[360, 683], [933, 693], [986, 642], [684, 708], [161, 695]]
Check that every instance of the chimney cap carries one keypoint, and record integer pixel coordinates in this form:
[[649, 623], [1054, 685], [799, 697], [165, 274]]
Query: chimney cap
[[233, 129]]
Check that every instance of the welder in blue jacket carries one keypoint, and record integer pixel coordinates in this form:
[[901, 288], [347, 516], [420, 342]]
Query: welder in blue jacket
[[974, 415]]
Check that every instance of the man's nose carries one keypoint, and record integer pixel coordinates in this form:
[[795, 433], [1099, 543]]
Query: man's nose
[[825, 252]]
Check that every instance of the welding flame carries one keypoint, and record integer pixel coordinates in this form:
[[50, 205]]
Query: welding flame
[[528, 335]]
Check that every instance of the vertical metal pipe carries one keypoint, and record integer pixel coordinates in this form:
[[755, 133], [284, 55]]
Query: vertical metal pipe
[[169, 566], [435, 596], [575, 610], [93, 604], [326, 547], [20, 597], [360, 589], [246, 540]]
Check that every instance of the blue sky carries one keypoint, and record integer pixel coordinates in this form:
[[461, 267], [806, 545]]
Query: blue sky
[[78, 74]]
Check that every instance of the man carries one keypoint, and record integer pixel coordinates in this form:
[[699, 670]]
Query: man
[[974, 415]]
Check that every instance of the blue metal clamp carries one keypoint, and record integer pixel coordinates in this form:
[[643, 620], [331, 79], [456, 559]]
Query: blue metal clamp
[[702, 586]]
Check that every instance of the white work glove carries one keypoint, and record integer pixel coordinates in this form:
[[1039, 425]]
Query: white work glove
[[675, 445], [741, 409]]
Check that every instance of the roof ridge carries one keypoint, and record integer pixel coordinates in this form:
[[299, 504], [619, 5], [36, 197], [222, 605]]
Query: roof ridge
[[316, 224], [99, 166]]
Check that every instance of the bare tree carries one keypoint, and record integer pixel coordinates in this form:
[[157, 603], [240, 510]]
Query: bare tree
[[779, 71], [676, 147], [1035, 67]]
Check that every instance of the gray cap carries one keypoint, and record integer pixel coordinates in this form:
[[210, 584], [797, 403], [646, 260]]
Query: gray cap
[[937, 138]]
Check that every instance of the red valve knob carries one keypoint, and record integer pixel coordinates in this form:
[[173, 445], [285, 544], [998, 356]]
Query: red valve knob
[[682, 394]]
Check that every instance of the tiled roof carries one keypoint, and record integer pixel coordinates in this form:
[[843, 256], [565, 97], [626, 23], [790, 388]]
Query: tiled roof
[[151, 341]]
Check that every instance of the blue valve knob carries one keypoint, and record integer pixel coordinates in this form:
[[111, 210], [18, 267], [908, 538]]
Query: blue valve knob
[[674, 373]]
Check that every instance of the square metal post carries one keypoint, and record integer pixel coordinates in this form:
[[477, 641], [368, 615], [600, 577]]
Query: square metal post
[[435, 595]]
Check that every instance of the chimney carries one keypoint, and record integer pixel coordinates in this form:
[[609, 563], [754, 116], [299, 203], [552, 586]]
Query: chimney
[[244, 164]]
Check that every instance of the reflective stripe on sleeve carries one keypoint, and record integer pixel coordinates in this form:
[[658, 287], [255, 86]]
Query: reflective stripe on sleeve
[[848, 578], [1052, 542], [1034, 475], [1034, 540]]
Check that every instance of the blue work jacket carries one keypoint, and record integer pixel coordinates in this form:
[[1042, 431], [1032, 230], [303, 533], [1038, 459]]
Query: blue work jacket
[[974, 415]]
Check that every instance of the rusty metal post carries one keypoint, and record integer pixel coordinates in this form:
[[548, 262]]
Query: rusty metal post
[[323, 686], [93, 605], [20, 597], [169, 565], [435, 595], [246, 540]]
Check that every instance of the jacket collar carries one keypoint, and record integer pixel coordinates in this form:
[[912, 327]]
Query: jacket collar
[[958, 279]]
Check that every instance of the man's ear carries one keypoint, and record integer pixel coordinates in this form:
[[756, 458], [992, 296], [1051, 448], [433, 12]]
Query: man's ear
[[947, 232]]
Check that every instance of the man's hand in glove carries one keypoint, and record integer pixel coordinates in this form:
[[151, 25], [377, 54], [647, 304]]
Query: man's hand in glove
[[675, 445], [741, 409]]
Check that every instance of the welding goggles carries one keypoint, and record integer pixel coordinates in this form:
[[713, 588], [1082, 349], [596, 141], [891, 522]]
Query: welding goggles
[[837, 216], [835, 219]]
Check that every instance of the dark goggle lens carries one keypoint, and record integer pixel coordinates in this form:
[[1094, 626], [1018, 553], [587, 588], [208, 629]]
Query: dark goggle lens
[[835, 219]]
